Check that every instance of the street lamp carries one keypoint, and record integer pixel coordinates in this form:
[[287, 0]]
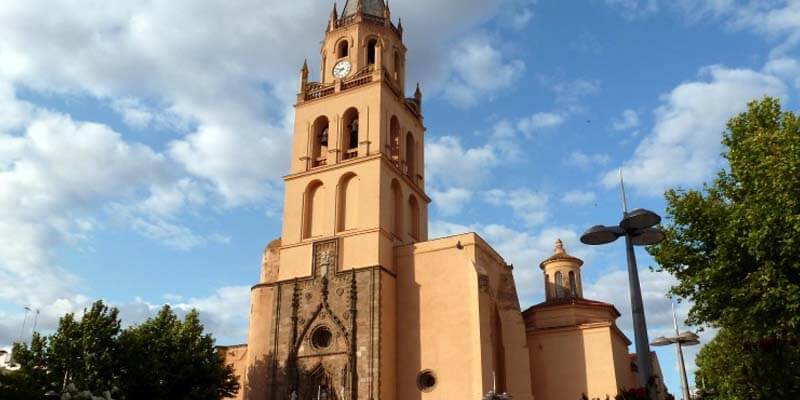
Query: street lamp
[[639, 229], [680, 340]]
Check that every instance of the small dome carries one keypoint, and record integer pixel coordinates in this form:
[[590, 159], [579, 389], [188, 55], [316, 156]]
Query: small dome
[[371, 7]]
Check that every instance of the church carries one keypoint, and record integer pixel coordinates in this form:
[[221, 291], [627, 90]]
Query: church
[[356, 302]]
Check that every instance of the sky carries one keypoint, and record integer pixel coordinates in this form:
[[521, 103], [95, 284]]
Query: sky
[[142, 143]]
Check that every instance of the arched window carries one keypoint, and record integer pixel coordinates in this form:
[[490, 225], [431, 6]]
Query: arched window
[[413, 217], [547, 293], [394, 139], [350, 130], [313, 210], [320, 134], [343, 50], [397, 209], [573, 286], [559, 285], [348, 203], [411, 160], [372, 50]]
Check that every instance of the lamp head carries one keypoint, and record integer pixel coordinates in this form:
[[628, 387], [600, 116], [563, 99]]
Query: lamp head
[[600, 234], [689, 339], [647, 237], [661, 341], [640, 219]]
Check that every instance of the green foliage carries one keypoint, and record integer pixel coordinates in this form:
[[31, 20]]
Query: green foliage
[[163, 358], [735, 249], [734, 369], [84, 351], [154, 348]]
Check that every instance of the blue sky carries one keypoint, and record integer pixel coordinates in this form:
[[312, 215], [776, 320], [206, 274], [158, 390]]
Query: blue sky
[[142, 143]]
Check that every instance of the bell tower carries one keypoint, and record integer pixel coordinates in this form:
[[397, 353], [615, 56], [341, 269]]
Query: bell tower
[[323, 317], [357, 172]]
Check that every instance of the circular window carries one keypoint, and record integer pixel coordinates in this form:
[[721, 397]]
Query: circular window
[[426, 380], [322, 338]]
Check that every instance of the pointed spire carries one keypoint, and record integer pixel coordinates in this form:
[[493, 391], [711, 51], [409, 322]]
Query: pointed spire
[[334, 20], [374, 8], [386, 14], [400, 25], [304, 76], [418, 94]]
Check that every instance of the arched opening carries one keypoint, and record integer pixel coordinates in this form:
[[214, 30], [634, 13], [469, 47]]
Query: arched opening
[[320, 132], [573, 285], [411, 160], [348, 203], [313, 210], [372, 50], [343, 50], [350, 129], [413, 217], [320, 386], [559, 285], [394, 139], [397, 209], [547, 292]]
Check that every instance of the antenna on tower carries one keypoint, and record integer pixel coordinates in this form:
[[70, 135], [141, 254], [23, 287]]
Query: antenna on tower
[[622, 191]]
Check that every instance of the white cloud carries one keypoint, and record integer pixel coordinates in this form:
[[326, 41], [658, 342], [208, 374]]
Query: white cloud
[[583, 160], [446, 160], [452, 200], [786, 68], [684, 146], [522, 19], [531, 207], [628, 120], [578, 198], [541, 120], [632, 9], [480, 71], [570, 94], [53, 174]]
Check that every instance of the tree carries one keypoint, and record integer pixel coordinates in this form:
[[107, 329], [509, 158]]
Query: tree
[[83, 352], [152, 351], [163, 358], [735, 249]]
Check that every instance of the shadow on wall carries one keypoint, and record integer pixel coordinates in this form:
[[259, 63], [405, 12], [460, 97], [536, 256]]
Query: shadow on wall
[[408, 333], [268, 379]]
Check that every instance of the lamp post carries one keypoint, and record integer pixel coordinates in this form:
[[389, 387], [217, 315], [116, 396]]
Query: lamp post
[[639, 229], [679, 340]]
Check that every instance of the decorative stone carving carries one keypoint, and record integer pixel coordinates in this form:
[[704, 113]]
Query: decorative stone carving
[[325, 258]]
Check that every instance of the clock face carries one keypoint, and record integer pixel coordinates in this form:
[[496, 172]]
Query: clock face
[[342, 69]]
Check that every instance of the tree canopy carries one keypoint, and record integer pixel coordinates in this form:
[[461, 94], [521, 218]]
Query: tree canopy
[[162, 358], [734, 247]]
